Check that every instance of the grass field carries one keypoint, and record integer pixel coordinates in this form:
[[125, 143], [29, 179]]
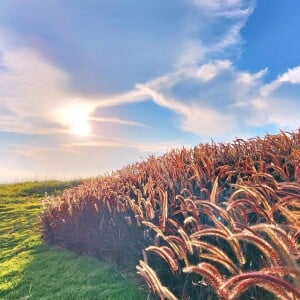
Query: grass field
[[31, 270]]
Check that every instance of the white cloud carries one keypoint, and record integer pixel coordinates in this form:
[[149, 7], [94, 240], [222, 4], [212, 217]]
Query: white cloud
[[249, 79], [203, 73], [197, 119], [268, 88], [34, 151], [229, 16], [244, 99], [207, 122], [98, 142], [283, 113], [147, 147], [193, 51], [132, 96], [281, 110], [200, 115], [209, 70], [217, 4], [291, 76], [231, 38], [226, 8], [198, 48], [115, 121]]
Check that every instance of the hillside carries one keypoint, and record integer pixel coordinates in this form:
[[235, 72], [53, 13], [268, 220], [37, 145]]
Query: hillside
[[220, 221]]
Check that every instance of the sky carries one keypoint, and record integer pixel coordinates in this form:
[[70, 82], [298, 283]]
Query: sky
[[90, 86]]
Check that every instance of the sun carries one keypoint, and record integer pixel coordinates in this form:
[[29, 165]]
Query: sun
[[76, 118]]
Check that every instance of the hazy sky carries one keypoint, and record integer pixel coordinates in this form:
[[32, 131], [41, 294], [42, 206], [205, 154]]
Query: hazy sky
[[88, 86]]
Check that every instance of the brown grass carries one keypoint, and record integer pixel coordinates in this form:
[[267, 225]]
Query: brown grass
[[221, 221]]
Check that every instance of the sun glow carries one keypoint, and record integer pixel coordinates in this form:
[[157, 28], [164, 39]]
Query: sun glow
[[76, 118]]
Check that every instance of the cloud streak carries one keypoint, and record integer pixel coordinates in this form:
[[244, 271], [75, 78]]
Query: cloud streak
[[144, 147], [226, 8], [245, 100], [115, 121], [197, 119]]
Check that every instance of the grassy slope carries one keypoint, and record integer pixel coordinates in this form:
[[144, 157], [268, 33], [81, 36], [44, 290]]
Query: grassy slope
[[31, 270]]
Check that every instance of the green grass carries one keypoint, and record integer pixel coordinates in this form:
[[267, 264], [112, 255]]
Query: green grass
[[31, 270], [35, 189]]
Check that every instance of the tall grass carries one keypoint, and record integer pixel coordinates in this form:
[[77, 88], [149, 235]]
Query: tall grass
[[219, 221]]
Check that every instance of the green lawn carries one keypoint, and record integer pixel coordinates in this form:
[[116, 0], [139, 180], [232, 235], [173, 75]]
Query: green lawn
[[31, 270]]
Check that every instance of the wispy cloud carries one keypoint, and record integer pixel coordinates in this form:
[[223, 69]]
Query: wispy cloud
[[248, 79], [193, 52], [144, 147], [98, 141], [230, 16], [230, 39], [208, 71], [197, 119], [32, 151], [282, 113], [197, 115], [225, 100], [115, 121], [132, 96], [291, 76], [226, 8], [276, 103]]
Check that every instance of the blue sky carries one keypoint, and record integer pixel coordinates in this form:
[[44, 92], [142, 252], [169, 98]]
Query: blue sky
[[90, 86]]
